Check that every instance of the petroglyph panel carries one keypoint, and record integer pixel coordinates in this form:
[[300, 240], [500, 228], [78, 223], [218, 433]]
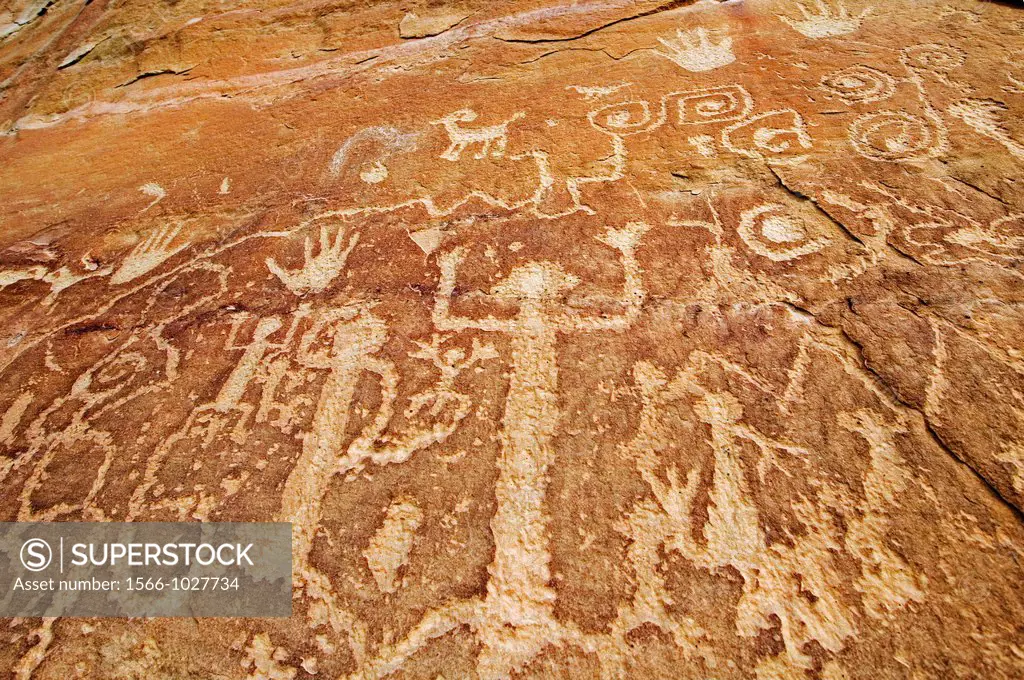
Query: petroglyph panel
[[576, 339]]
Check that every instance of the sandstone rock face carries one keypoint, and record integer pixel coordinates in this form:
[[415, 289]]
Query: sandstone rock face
[[602, 339]]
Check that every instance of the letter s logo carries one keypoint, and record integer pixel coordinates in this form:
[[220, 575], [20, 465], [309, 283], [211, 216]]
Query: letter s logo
[[36, 554]]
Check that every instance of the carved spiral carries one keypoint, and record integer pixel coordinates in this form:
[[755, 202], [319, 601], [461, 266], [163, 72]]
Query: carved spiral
[[893, 136], [118, 370], [623, 118], [933, 57], [859, 84], [772, 232], [712, 106]]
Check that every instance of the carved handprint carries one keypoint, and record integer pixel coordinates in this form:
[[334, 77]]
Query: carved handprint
[[149, 254], [317, 271], [826, 22], [986, 117], [694, 51]]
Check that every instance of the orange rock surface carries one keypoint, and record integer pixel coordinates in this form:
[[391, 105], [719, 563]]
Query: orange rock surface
[[596, 339]]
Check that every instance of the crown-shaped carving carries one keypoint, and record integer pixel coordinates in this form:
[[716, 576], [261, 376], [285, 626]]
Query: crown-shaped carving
[[694, 51]]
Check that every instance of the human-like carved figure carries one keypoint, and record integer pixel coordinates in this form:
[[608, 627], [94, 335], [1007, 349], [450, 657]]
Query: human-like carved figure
[[177, 486], [492, 139], [776, 574], [887, 582], [144, 363], [354, 335], [317, 271], [825, 22], [735, 538], [694, 51], [515, 620]]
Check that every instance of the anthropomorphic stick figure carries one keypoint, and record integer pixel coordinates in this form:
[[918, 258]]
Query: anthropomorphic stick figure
[[345, 342], [515, 620]]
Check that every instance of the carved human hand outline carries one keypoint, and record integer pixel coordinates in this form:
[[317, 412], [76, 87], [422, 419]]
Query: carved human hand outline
[[149, 253], [826, 22], [317, 271], [694, 51]]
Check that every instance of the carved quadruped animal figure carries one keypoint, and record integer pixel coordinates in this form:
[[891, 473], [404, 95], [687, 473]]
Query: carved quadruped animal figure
[[694, 51], [59, 279], [492, 138], [515, 620], [825, 22]]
